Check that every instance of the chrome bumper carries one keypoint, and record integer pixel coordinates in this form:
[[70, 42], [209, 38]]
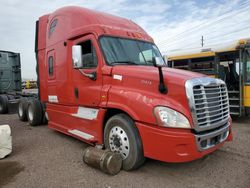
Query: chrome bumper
[[208, 140]]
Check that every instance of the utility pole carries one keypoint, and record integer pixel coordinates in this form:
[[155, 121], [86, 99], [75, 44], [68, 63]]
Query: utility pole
[[202, 41]]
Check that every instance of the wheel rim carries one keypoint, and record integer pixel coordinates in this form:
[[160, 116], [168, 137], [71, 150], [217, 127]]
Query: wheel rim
[[119, 142], [20, 110], [30, 113]]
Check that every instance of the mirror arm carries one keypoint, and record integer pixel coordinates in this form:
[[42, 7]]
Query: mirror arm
[[91, 76], [162, 87]]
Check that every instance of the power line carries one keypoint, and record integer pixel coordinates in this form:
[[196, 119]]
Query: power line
[[169, 43], [230, 33], [208, 39], [215, 37], [218, 20]]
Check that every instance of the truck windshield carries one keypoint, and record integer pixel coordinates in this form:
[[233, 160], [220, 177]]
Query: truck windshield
[[128, 51]]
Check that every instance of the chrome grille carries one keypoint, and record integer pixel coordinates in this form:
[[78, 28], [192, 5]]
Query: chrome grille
[[208, 100]]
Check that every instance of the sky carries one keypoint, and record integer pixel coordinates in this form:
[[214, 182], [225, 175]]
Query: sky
[[175, 25]]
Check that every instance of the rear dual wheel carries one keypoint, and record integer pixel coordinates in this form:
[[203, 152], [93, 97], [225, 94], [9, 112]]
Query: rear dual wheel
[[34, 112]]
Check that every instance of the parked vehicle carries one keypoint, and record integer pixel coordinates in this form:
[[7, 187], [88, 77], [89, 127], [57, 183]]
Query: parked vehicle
[[102, 80], [10, 79], [10, 82], [230, 63]]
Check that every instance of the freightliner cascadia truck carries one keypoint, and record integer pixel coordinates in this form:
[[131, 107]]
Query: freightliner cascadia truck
[[102, 80]]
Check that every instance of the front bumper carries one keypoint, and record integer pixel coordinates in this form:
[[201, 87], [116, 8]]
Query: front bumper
[[208, 140], [180, 145]]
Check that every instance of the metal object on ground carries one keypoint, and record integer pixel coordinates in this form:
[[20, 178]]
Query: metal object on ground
[[5, 141], [104, 160]]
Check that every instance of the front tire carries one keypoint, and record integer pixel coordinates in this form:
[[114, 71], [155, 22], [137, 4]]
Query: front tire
[[34, 112], [121, 136]]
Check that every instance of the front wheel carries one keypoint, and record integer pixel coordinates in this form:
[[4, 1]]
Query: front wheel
[[121, 136]]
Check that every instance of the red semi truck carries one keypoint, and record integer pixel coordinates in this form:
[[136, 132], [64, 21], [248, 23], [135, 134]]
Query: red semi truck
[[102, 80]]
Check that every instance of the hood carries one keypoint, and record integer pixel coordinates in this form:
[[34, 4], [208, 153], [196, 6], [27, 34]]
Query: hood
[[138, 86], [151, 73]]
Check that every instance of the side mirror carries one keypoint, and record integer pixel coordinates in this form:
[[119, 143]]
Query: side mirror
[[77, 56], [158, 62]]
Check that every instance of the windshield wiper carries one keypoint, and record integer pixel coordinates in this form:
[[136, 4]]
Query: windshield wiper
[[124, 62]]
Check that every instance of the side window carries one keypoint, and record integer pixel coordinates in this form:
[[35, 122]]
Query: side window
[[52, 27], [51, 66], [88, 54], [148, 52], [146, 55]]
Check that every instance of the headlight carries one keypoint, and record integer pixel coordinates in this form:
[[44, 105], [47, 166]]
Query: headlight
[[167, 117]]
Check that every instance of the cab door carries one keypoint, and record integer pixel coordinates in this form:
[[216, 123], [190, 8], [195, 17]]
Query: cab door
[[87, 90]]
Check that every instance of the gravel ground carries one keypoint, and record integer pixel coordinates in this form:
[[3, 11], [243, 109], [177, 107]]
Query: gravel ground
[[45, 158]]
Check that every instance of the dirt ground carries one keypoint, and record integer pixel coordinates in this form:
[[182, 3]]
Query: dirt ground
[[44, 158]]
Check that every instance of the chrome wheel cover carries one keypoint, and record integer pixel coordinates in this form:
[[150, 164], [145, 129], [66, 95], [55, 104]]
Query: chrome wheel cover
[[119, 142]]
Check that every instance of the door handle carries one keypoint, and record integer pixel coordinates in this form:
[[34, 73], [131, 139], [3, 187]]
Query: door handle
[[91, 76]]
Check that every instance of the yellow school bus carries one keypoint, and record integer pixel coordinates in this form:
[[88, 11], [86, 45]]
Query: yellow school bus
[[230, 63]]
